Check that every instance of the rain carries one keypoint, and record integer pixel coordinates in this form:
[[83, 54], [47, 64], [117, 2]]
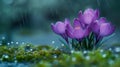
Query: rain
[[25, 24]]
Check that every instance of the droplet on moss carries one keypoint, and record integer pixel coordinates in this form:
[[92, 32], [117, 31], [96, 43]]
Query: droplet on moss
[[85, 52], [87, 57], [55, 56], [5, 56], [73, 59], [104, 55], [72, 51]]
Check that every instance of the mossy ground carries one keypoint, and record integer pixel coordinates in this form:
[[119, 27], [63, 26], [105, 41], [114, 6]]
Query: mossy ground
[[46, 56]]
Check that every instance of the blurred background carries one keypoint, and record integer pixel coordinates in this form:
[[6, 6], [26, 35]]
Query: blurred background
[[29, 20]]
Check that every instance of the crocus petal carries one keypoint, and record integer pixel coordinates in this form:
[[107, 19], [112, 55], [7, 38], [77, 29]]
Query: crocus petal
[[76, 24], [87, 31], [102, 20], [88, 16], [60, 27], [67, 21], [106, 29], [69, 31], [80, 15], [78, 34], [96, 15], [95, 27], [53, 28]]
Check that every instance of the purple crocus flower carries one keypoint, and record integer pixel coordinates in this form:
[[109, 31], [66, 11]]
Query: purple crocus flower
[[60, 28], [88, 16], [77, 31], [102, 27]]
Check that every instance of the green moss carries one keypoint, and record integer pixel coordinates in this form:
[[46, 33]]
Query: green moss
[[46, 56]]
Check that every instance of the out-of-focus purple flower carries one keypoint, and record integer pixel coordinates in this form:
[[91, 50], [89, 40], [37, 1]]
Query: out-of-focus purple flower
[[102, 27], [60, 28], [88, 16], [77, 31]]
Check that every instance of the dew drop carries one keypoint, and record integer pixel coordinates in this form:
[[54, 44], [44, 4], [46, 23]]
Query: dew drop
[[87, 57], [5, 56], [72, 51], [31, 49], [85, 52], [55, 56], [73, 59], [104, 55]]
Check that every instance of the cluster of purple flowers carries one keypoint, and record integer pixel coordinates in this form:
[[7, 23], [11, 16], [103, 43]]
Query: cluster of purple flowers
[[87, 30]]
